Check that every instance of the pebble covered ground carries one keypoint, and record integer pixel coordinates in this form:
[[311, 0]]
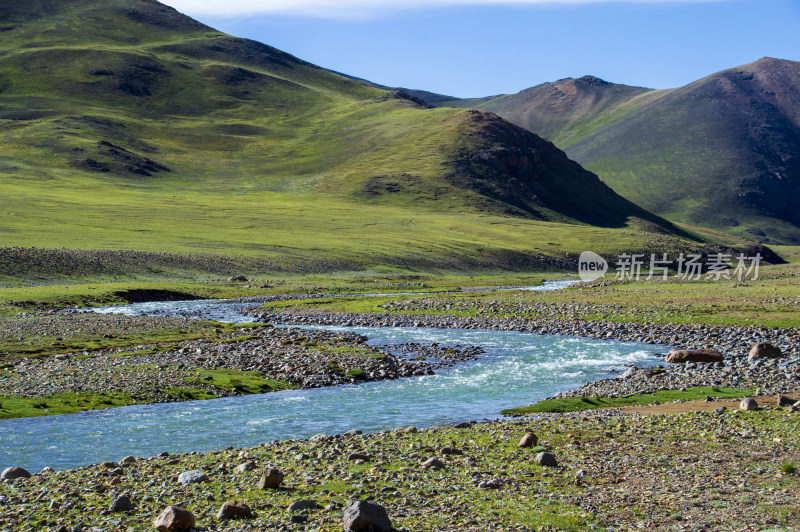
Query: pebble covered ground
[[301, 358], [716, 470], [697, 471]]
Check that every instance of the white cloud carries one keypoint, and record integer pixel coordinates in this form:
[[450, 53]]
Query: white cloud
[[355, 8]]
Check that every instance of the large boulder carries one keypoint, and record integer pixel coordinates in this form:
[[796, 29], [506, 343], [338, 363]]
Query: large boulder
[[365, 516], [122, 503], [192, 477], [786, 401], [764, 350], [680, 356], [234, 510], [12, 473], [528, 440], [748, 403], [174, 519], [304, 504], [271, 478], [546, 459], [433, 463]]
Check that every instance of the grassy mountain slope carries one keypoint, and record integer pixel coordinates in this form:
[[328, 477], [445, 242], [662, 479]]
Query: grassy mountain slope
[[561, 111], [127, 125], [722, 152]]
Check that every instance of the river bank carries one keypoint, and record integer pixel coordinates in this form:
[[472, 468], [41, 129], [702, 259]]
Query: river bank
[[713, 471], [766, 376], [222, 362], [616, 470]]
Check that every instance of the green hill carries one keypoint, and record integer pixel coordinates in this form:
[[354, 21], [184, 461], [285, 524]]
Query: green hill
[[722, 152], [127, 125]]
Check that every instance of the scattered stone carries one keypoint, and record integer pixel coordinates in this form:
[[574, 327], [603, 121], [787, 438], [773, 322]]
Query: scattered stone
[[234, 510], [786, 401], [174, 519], [12, 473], [271, 478], [493, 484], [192, 477], [748, 403], [245, 467], [434, 463], [305, 504], [764, 350], [451, 451], [546, 459], [528, 440], [680, 356], [121, 504], [366, 516]]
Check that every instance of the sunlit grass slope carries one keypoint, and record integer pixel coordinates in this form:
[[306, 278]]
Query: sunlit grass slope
[[126, 125]]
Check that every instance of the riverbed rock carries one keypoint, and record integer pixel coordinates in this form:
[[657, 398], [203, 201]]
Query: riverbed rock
[[192, 477], [784, 400], [271, 478], [365, 516], [245, 467], [12, 473], [433, 463], [764, 350], [121, 504], [546, 459], [304, 504], [234, 510], [493, 484], [451, 451], [528, 440], [174, 519], [680, 356], [748, 403]]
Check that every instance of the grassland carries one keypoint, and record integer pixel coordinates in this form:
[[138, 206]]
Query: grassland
[[149, 132], [574, 404], [614, 472], [770, 301]]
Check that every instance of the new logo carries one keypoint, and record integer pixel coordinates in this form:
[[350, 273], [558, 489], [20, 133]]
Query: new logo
[[591, 266]]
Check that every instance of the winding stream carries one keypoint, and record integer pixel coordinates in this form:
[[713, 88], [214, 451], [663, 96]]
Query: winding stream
[[518, 368]]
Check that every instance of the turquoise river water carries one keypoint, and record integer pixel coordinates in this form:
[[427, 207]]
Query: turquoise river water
[[517, 369]]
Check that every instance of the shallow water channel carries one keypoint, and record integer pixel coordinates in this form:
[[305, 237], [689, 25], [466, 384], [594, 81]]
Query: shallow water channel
[[517, 369]]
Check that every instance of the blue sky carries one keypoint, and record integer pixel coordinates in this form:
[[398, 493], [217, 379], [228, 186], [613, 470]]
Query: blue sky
[[481, 47]]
